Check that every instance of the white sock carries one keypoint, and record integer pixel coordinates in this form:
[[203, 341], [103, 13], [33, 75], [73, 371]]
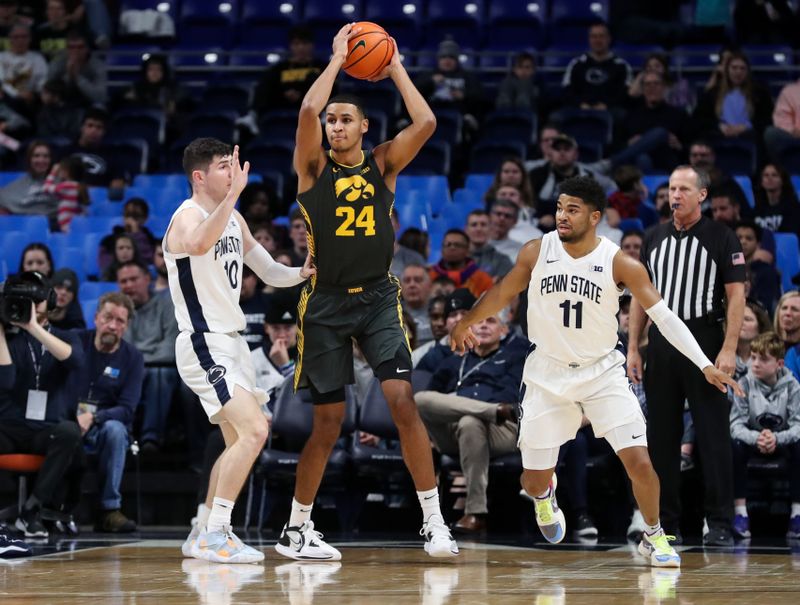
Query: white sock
[[653, 530], [429, 501], [202, 515], [795, 509], [220, 515], [742, 510], [300, 513]]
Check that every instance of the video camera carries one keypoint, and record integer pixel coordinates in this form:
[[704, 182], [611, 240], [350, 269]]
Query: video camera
[[19, 291]]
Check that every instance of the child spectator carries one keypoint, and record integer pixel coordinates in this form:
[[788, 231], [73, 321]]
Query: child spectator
[[766, 421], [755, 321], [135, 214], [64, 182], [631, 192], [518, 90], [125, 251]]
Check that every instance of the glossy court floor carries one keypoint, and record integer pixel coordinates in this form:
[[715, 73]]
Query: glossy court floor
[[150, 569]]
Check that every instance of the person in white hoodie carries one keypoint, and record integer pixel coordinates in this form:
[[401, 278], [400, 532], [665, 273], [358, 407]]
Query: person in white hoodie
[[766, 422]]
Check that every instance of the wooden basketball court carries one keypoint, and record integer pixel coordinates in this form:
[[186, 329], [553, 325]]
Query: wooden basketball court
[[152, 570]]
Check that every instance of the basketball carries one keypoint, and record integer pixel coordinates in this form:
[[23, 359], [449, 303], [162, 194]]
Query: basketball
[[368, 52]]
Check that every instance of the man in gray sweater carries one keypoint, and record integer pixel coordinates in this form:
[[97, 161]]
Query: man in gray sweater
[[766, 422], [152, 331]]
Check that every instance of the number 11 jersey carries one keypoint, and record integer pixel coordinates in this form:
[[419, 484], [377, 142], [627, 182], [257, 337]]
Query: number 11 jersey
[[205, 288], [347, 214], [573, 302]]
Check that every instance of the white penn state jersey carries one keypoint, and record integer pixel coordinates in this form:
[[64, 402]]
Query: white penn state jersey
[[205, 289], [573, 303]]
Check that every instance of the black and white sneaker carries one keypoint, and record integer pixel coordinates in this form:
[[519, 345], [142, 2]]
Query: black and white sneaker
[[439, 541], [304, 543], [584, 527], [31, 524], [11, 548]]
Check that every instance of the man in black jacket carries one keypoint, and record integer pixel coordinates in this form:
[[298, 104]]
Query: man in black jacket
[[37, 409]]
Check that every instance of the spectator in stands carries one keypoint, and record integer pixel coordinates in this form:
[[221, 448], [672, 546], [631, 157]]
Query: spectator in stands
[[787, 318], [547, 134], [55, 117], [598, 79], [23, 71], [737, 106], [67, 314], [456, 304], [297, 233], [155, 88], [766, 422], [160, 266], [284, 84], [631, 192], [785, 128], [416, 240], [469, 410], [125, 251], [776, 206], [255, 203], [83, 73], [659, 129], [456, 264], [631, 244], [65, 183], [416, 289], [8, 16], [637, 22], [51, 36], [725, 208], [283, 257], [481, 251], [254, 304], [442, 286], [25, 195], [677, 91], [152, 330], [526, 228], [436, 319], [108, 391], [765, 283], [511, 172], [101, 169], [451, 86], [36, 256], [37, 407], [135, 213], [275, 358], [702, 156], [502, 219], [755, 321], [773, 22], [264, 234], [518, 90]]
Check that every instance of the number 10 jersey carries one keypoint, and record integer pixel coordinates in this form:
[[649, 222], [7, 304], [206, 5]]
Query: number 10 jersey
[[347, 214], [573, 303], [205, 288]]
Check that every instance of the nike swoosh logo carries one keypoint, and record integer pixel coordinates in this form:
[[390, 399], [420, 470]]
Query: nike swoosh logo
[[555, 260], [399, 371], [359, 43], [636, 436]]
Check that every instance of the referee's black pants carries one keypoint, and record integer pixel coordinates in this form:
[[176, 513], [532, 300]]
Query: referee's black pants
[[670, 379]]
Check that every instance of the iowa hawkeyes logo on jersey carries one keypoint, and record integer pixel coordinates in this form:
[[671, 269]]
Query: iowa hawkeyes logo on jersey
[[354, 187]]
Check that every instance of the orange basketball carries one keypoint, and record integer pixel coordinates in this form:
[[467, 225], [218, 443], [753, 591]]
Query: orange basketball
[[368, 52]]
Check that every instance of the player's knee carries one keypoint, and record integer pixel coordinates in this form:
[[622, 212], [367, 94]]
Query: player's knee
[[404, 412], [638, 464], [328, 423]]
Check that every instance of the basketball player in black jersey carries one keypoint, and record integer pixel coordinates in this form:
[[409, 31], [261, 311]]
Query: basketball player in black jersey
[[346, 196]]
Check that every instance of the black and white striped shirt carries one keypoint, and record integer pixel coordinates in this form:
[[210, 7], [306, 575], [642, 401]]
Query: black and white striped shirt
[[690, 268]]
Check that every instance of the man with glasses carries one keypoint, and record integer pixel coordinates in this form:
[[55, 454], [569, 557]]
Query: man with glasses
[[502, 218], [456, 264]]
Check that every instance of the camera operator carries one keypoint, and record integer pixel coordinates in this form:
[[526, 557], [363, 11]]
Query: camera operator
[[37, 408]]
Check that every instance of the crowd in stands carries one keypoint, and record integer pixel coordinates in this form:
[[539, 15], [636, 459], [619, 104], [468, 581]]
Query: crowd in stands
[[486, 184]]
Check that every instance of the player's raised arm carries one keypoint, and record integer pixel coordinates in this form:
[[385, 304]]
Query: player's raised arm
[[498, 297], [632, 273], [267, 268], [308, 139], [396, 154]]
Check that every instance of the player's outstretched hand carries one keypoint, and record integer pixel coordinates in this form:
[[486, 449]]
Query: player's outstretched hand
[[462, 338], [239, 173], [341, 39], [720, 379], [394, 64], [308, 268]]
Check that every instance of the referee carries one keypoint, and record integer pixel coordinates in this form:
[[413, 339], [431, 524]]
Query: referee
[[696, 264]]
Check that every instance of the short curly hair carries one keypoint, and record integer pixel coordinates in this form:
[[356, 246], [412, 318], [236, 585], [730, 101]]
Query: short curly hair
[[587, 189]]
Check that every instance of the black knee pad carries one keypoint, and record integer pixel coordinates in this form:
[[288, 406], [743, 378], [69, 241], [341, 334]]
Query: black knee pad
[[398, 368], [318, 398]]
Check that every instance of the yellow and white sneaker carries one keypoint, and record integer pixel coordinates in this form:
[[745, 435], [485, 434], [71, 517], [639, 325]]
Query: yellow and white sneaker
[[549, 517], [659, 551]]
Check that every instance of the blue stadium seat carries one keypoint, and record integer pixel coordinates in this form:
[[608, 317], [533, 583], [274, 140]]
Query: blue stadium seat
[[775, 59], [325, 17], [158, 224], [263, 55], [201, 21], [89, 308], [433, 187], [129, 55], [278, 125], [91, 246], [468, 58], [516, 126], [652, 181], [587, 125], [12, 243], [377, 97], [147, 124], [94, 224], [787, 258], [462, 20], [378, 127], [590, 151], [105, 209], [162, 181], [790, 158], [467, 198], [648, 214], [33, 224], [269, 156], [747, 186], [635, 54], [411, 208], [630, 224], [170, 7], [479, 181], [69, 258], [401, 19], [736, 156], [7, 177], [263, 20], [570, 19], [98, 195], [694, 62], [449, 124], [556, 59], [489, 155], [514, 25], [225, 98], [796, 180], [219, 125], [130, 154], [95, 289], [433, 158], [198, 55]]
